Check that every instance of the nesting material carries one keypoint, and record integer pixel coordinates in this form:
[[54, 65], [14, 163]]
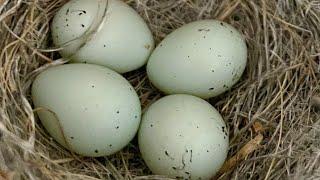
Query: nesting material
[[275, 90]]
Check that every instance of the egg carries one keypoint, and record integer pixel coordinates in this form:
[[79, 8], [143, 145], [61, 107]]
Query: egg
[[89, 109], [183, 136], [204, 58], [108, 33]]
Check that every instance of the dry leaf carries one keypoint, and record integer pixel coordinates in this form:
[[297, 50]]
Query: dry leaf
[[258, 127], [9, 175], [247, 149]]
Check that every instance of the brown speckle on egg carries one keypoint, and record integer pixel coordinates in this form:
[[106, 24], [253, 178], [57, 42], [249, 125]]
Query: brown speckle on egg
[[147, 46], [203, 29], [167, 154]]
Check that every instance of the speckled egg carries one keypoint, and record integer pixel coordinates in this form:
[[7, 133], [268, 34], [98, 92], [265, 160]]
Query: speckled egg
[[108, 33], [183, 136], [203, 58], [89, 109]]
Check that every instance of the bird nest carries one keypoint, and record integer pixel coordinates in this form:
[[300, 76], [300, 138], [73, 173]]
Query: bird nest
[[271, 112]]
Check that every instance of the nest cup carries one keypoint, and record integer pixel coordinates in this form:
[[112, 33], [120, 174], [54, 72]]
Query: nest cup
[[274, 129]]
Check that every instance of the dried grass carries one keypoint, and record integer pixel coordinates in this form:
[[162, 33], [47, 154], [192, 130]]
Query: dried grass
[[273, 96]]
